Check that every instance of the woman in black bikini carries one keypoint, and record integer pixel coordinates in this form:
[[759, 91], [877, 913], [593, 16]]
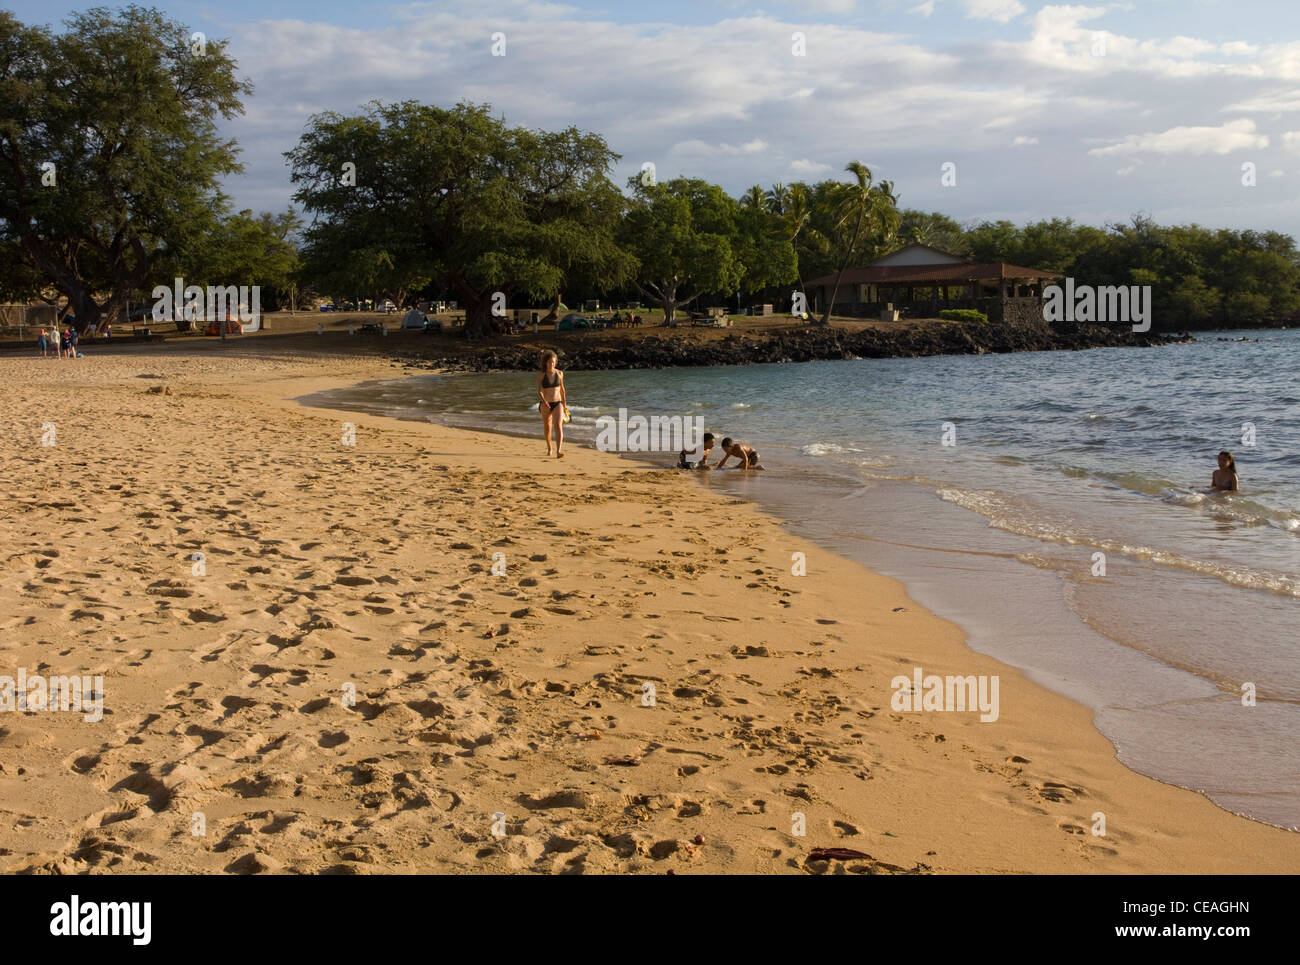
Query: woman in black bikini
[[550, 386]]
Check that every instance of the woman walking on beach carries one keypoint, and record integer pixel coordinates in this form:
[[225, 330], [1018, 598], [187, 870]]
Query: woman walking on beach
[[550, 386]]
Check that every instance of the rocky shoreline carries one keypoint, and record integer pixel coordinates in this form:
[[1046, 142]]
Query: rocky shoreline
[[797, 345]]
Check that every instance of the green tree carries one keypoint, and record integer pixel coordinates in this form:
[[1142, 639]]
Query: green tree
[[763, 249], [245, 250], [797, 221], [933, 229], [754, 197], [776, 199], [683, 234], [108, 141], [865, 221], [459, 197]]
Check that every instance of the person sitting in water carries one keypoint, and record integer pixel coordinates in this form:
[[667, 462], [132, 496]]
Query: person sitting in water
[[1225, 477], [682, 463], [747, 455]]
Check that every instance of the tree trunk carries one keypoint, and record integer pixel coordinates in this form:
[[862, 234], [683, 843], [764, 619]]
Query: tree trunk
[[478, 318], [830, 305], [84, 308], [554, 313]]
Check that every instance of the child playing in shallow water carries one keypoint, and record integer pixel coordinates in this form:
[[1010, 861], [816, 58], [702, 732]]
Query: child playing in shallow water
[[747, 455], [683, 463], [1225, 477]]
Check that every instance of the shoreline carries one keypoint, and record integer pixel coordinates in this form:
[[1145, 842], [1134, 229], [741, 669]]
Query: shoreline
[[773, 698], [992, 620], [646, 461]]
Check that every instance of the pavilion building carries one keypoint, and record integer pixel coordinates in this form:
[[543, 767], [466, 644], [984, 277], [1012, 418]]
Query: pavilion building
[[919, 281]]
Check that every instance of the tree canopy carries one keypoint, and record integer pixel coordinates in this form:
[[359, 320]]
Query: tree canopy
[[109, 148], [404, 193]]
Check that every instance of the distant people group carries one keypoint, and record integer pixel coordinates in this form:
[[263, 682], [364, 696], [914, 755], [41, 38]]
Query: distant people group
[[61, 344], [619, 320]]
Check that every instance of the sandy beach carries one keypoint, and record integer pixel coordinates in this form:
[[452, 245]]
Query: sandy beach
[[575, 666]]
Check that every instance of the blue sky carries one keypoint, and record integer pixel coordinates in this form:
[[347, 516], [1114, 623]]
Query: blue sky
[[1085, 110]]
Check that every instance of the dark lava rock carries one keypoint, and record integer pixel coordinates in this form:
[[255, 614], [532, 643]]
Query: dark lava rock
[[797, 345]]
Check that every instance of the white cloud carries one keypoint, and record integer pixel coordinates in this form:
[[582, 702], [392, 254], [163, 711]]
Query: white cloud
[[1291, 141], [1000, 10], [808, 168], [1238, 48], [1274, 102], [1232, 136], [704, 148], [725, 101]]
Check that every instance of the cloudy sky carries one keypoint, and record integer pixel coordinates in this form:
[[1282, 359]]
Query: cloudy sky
[[1091, 111]]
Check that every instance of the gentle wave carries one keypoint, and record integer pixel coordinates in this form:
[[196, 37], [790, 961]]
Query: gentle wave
[[1004, 513], [826, 449]]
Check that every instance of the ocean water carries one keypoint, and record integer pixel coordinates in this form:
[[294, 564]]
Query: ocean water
[[1068, 530]]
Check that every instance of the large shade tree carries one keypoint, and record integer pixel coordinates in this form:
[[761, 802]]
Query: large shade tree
[[109, 150], [457, 197], [684, 234]]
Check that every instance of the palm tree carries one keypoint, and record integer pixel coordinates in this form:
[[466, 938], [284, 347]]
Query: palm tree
[[777, 198], [796, 218], [887, 219], [753, 198], [859, 204]]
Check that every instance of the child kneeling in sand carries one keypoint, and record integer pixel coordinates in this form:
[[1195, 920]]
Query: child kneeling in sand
[[747, 455], [704, 455]]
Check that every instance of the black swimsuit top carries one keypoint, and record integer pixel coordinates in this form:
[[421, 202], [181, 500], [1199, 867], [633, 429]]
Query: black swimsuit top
[[550, 380]]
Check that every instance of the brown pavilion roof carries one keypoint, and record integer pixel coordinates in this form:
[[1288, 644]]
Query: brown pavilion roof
[[934, 274]]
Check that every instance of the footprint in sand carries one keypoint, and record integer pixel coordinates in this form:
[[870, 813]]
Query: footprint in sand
[[203, 616]]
